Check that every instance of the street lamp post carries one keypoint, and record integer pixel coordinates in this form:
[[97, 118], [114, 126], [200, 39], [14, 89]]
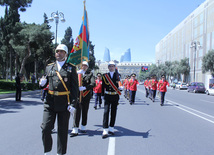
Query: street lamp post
[[56, 15], [196, 45]]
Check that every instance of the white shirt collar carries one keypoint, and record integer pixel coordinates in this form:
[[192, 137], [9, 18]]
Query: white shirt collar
[[60, 64], [111, 73]]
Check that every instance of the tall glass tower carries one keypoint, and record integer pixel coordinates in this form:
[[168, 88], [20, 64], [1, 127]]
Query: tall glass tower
[[126, 57], [106, 55]]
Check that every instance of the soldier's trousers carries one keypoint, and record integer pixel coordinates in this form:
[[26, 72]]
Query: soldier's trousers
[[82, 108], [132, 96], [107, 106], [98, 98], [162, 97], [153, 94], [147, 92], [49, 118]]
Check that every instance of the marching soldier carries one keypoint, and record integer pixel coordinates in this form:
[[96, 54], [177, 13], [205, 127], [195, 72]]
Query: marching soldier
[[132, 88], [154, 83], [125, 85], [61, 97], [146, 85], [86, 84], [98, 90], [162, 88], [111, 93], [150, 85]]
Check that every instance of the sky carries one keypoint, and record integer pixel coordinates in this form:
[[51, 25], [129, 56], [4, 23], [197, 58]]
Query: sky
[[116, 24]]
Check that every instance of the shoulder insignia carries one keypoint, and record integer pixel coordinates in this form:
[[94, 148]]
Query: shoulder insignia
[[51, 64]]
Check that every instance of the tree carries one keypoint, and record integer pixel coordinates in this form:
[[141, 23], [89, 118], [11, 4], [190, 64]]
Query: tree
[[208, 62], [67, 40], [184, 68], [92, 59], [17, 4], [30, 42], [8, 26]]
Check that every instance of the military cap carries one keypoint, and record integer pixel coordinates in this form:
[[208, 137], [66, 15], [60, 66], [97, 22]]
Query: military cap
[[163, 76], [133, 74], [99, 74]]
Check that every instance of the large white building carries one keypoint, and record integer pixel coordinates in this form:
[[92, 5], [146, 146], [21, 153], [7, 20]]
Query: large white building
[[197, 28], [124, 68]]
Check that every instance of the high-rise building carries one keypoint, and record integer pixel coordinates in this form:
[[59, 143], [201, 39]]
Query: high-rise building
[[126, 57], [192, 39], [106, 55]]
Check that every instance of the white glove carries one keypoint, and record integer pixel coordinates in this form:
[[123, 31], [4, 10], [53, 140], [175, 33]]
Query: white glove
[[71, 109], [42, 82], [82, 88], [80, 71], [121, 88]]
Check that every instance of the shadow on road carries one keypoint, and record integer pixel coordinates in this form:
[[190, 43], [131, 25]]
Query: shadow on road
[[7, 105], [119, 132]]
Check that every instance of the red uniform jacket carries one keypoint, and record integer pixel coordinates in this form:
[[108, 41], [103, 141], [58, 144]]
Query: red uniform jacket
[[133, 85], [162, 85], [98, 87], [154, 84], [125, 83], [146, 83]]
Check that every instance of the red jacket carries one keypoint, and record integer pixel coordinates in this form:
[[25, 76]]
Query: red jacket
[[46, 88], [125, 83], [133, 85], [98, 87], [146, 82], [162, 85], [154, 84]]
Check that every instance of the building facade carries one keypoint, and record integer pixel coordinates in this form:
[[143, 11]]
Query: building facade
[[124, 68], [194, 34], [106, 56], [126, 57]]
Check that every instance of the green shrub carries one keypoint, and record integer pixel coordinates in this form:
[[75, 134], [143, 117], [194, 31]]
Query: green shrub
[[11, 85]]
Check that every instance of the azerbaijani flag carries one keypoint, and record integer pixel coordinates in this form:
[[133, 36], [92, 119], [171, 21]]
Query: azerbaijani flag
[[80, 51]]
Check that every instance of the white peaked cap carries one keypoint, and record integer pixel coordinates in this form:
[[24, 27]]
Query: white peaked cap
[[85, 63], [62, 47], [111, 63]]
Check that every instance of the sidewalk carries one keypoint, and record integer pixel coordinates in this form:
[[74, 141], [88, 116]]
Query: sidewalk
[[2, 96]]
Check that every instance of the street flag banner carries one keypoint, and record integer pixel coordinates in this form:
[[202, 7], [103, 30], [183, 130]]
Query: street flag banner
[[80, 51]]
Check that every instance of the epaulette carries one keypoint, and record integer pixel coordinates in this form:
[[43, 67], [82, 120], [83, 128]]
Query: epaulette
[[51, 64]]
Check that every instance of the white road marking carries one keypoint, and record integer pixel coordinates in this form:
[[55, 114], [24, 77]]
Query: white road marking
[[207, 101], [111, 146], [190, 111]]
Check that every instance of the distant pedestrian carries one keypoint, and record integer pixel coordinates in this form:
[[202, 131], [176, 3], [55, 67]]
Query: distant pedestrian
[[33, 78], [18, 87], [44, 92], [98, 90], [162, 88]]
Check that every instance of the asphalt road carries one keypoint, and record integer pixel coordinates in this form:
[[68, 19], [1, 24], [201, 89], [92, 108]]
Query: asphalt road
[[183, 126]]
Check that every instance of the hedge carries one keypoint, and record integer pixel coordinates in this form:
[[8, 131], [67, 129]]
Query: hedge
[[11, 85]]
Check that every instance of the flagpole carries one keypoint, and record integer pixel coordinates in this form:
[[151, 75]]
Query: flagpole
[[81, 93]]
